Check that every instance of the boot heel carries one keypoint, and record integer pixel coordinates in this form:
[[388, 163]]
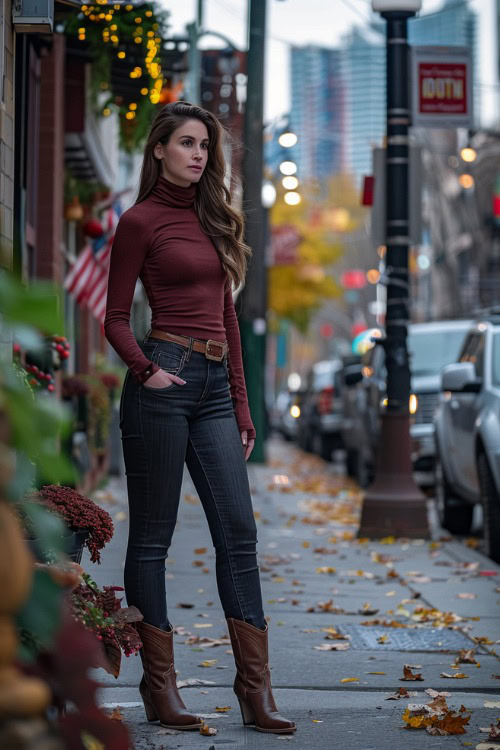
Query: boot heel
[[247, 714], [151, 714]]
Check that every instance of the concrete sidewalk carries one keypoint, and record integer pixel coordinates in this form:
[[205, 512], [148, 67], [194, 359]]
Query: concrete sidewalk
[[315, 575]]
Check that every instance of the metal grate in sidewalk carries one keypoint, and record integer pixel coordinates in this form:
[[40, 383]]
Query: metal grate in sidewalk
[[422, 639]]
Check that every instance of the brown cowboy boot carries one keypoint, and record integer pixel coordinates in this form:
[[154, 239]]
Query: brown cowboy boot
[[253, 679], [158, 687]]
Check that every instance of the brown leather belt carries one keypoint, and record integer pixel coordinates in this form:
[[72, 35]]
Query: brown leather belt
[[215, 350]]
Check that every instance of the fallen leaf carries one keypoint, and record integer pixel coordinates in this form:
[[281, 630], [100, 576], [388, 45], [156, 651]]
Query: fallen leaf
[[375, 672], [121, 516], [350, 679], [208, 663], [401, 692], [466, 656], [222, 709], [466, 595], [207, 731], [317, 721], [383, 638], [492, 704], [456, 676], [487, 746], [326, 569], [436, 730], [116, 714], [192, 681], [184, 605], [367, 609], [390, 593], [200, 551], [434, 693], [203, 625], [409, 676], [337, 646]]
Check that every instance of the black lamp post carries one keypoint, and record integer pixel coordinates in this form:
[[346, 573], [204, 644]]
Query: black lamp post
[[394, 505]]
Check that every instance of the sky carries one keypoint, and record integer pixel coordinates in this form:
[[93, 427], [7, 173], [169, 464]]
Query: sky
[[322, 22]]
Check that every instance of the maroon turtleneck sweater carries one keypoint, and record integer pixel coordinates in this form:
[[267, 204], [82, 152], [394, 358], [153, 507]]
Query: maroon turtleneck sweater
[[160, 241]]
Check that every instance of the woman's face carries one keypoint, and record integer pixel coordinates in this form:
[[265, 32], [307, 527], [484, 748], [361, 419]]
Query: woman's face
[[185, 156]]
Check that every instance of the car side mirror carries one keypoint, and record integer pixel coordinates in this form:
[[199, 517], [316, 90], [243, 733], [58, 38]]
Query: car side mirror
[[461, 377], [353, 375]]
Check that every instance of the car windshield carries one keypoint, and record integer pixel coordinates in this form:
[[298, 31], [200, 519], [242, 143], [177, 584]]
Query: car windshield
[[431, 350], [495, 365]]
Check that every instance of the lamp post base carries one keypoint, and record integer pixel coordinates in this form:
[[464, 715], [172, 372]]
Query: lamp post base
[[393, 505]]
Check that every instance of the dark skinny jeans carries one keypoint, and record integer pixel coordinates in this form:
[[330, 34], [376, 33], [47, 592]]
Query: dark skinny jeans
[[161, 430]]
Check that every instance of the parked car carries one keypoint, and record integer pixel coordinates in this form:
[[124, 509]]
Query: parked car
[[468, 436], [283, 415], [320, 419], [431, 346]]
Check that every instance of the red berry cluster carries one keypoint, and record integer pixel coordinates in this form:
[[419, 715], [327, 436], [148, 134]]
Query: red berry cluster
[[39, 378], [60, 344]]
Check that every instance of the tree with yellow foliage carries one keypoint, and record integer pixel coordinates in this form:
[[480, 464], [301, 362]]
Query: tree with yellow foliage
[[297, 291]]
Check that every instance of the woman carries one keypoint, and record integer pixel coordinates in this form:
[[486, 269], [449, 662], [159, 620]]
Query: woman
[[184, 401]]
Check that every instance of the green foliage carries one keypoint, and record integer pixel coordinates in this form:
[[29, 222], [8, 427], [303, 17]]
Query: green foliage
[[41, 614], [136, 33], [39, 306]]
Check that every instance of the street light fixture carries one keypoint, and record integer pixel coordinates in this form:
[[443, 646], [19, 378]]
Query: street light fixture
[[290, 183], [468, 154], [287, 140], [393, 504], [292, 198], [288, 167]]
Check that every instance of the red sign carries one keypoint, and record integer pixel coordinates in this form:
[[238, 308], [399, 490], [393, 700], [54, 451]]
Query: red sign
[[368, 188], [285, 241], [353, 279], [442, 88]]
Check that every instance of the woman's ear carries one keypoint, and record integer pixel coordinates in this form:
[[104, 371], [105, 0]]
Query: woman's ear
[[158, 151]]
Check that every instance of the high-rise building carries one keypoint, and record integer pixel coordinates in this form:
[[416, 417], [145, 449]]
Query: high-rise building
[[317, 111], [363, 58], [363, 70]]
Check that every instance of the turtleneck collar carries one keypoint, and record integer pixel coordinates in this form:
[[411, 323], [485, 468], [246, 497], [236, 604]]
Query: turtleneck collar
[[173, 195]]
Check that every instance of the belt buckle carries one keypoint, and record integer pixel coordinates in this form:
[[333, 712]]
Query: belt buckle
[[215, 357]]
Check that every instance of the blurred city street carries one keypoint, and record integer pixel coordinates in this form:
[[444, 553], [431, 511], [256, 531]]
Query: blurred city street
[[382, 604]]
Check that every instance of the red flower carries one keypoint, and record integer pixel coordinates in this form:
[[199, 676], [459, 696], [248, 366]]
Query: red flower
[[79, 512]]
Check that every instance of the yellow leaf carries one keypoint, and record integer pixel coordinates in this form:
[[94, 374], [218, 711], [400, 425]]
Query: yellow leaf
[[375, 672], [350, 679], [222, 709], [207, 731], [208, 663], [306, 544]]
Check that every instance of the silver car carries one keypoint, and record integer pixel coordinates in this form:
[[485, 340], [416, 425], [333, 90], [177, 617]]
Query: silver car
[[468, 436]]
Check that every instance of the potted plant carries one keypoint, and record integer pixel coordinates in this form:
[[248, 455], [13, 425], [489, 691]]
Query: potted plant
[[91, 524], [100, 611]]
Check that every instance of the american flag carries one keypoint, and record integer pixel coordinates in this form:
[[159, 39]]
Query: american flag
[[87, 279]]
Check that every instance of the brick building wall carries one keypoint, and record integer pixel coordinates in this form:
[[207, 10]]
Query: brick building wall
[[6, 151]]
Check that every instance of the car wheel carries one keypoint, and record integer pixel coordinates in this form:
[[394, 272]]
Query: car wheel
[[454, 515], [351, 463], [491, 507], [326, 446]]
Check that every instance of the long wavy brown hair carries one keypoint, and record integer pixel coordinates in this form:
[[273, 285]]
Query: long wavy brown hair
[[218, 218]]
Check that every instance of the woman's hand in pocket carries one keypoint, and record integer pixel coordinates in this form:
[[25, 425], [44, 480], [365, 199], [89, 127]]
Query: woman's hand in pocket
[[162, 379]]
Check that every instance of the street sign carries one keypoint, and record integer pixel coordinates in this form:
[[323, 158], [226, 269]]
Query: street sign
[[441, 87], [285, 240]]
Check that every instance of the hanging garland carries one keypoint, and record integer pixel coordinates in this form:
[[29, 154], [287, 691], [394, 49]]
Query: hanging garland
[[125, 43]]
